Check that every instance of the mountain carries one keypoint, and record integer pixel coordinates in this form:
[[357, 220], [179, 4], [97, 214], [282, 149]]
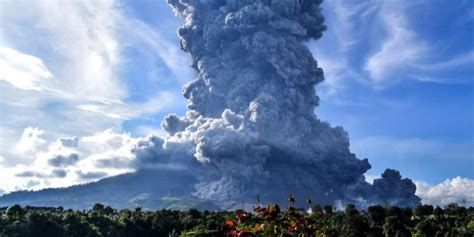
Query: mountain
[[149, 189]]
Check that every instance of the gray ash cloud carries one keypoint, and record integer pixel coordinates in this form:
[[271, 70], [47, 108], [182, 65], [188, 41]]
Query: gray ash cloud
[[251, 126]]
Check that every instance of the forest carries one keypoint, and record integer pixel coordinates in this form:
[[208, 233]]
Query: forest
[[271, 220]]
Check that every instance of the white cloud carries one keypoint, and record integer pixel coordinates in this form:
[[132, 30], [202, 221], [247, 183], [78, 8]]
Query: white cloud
[[161, 100], [335, 72], [370, 178], [78, 42], [82, 43], [345, 18], [349, 25], [21, 70], [459, 60], [401, 47], [147, 130], [168, 51], [30, 141], [78, 37], [96, 156], [97, 109], [8, 181], [376, 44], [405, 54], [456, 190], [83, 34]]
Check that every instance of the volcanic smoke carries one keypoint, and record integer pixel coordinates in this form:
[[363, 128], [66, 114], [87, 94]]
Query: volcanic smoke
[[250, 127]]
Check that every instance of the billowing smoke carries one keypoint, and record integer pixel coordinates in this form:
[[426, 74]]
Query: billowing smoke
[[251, 127]]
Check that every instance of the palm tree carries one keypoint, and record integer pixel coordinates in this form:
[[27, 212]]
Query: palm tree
[[310, 202], [291, 201]]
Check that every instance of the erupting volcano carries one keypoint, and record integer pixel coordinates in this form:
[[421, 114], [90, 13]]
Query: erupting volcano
[[251, 126]]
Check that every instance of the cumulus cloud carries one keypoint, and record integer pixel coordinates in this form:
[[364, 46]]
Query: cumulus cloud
[[74, 41], [61, 160], [55, 173], [69, 141], [58, 173], [84, 45], [72, 160], [32, 183], [28, 174], [30, 141], [456, 190]]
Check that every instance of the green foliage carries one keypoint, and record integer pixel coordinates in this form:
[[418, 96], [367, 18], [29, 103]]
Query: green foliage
[[102, 221]]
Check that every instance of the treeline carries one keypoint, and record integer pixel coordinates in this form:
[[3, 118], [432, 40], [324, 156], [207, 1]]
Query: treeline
[[424, 220]]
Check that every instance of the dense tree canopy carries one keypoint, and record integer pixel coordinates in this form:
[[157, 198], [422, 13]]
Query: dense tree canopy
[[101, 220]]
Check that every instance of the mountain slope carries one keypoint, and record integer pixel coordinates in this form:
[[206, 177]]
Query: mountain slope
[[151, 189]]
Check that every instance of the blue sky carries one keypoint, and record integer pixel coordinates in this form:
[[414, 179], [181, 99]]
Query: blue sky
[[399, 79], [405, 88]]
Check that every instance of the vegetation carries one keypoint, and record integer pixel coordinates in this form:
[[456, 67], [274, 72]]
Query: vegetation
[[425, 220]]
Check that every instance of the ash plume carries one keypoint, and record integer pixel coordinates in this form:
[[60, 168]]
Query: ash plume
[[251, 127]]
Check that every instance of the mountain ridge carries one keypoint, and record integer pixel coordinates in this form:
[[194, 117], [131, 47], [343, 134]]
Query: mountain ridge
[[150, 189]]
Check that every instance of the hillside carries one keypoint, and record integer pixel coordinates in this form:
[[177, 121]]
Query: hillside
[[144, 188]]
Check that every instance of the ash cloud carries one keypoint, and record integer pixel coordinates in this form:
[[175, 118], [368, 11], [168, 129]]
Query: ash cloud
[[250, 126]]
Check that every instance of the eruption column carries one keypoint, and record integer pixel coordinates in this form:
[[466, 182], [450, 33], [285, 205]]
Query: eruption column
[[251, 121]]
